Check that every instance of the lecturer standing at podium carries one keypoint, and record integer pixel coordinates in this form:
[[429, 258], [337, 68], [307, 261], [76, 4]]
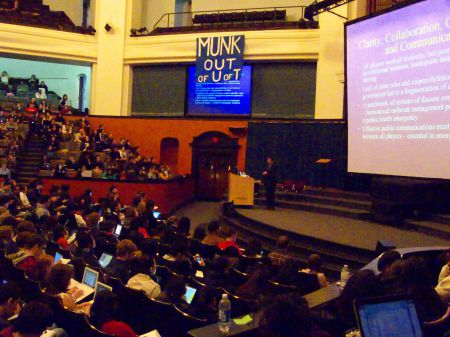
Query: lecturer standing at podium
[[269, 179]]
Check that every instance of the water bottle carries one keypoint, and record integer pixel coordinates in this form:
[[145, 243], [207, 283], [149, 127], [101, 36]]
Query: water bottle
[[224, 314], [345, 275]]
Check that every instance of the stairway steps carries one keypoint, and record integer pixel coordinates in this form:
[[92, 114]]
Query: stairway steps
[[319, 208], [333, 255], [30, 162], [432, 228], [326, 200], [339, 194], [441, 218]]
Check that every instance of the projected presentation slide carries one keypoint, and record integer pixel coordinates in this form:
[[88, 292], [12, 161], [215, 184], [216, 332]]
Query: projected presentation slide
[[221, 98], [398, 91]]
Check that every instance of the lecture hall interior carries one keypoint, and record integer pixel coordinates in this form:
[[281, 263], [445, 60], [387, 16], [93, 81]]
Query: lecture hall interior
[[267, 168]]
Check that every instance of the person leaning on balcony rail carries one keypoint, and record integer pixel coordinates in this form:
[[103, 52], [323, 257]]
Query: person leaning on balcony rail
[[11, 6]]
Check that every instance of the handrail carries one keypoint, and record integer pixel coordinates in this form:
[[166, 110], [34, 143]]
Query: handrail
[[244, 10]]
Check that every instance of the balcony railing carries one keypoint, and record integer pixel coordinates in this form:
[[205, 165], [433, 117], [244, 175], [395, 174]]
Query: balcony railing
[[231, 17]]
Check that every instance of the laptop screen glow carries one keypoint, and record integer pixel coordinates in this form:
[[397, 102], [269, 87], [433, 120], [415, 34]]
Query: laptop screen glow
[[190, 293], [105, 259], [90, 277], [389, 319], [118, 230]]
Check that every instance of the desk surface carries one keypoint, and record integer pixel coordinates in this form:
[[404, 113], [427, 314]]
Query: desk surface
[[212, 330], [323, 296], [315, 300]]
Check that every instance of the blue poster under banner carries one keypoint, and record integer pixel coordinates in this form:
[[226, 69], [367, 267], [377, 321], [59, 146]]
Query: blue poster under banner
[[219, 58]]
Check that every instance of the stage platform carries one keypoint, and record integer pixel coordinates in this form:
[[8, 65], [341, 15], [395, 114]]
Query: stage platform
[[346, 231], [335, 224]]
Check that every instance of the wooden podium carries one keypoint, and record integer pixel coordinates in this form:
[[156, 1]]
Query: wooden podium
[[241, 190]]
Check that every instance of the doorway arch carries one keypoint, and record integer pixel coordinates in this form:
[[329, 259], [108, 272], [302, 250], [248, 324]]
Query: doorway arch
[[214, 154], [82, 84], [169, 153]]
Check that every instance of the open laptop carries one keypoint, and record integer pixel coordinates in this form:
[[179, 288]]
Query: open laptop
[[60, 258], [88, 283], [105, 259], [190, 294], [393, 316], [118, 230], [99, 287]]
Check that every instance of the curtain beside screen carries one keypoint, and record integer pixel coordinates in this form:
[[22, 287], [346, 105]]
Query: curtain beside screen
[[296, 147], [159, 90]]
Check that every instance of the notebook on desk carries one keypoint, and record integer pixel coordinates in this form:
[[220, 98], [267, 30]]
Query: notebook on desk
[[87, 285], [153, 333], [387, 317]]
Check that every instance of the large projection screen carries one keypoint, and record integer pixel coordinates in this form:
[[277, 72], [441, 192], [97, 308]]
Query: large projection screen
[[398, 92]]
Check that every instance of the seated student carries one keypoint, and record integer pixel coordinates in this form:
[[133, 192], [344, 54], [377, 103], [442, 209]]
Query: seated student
[[287, 316], [184, 226], [199, 233], [64, 105], [142, 269], [443, 286], [85, 249], [5, 171], [11, 7], [40, 94], [281, 255], [58, 285], [287, 273], [105, 313], [213, 237], [105, 237], [206, 304], [174, 292], [217, 275], [7, 243], [120, 264], [72, 163], [27, 257], [256, 285], [41, 272], [9, 303], [4, 78], [230, 240], [60, 236], [314, 267], [416, 283], [43, 87], [137, 232], [32, 321], [362, 284], [32, 106]]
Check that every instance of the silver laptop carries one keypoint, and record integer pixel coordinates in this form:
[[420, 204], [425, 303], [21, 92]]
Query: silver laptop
[[87, 285]]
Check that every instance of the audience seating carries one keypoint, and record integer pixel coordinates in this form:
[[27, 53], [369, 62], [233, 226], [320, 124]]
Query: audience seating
[[277, 288], [239, 17], [241, 306], [307, 283], [31, 290], [35, 13], [182, 321]]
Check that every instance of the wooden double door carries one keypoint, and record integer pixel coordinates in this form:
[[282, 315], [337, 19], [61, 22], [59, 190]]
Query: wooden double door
[[214, 155]]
